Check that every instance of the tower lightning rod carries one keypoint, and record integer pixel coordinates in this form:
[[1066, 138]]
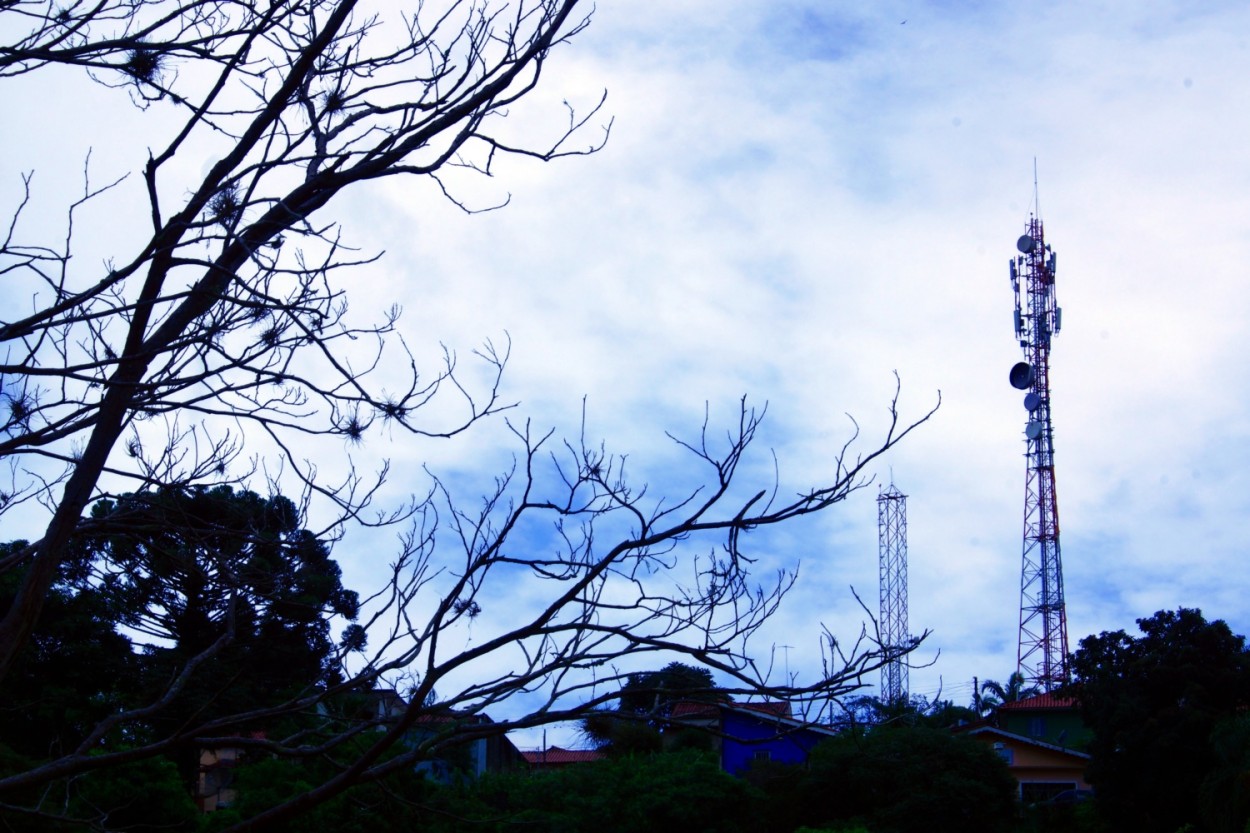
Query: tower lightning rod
[[1037, 199], [1042, 657]]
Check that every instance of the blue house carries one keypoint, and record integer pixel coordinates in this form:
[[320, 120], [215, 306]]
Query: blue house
[[744, 733]]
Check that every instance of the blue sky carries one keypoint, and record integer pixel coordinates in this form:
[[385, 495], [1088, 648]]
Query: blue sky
[[800, 199]]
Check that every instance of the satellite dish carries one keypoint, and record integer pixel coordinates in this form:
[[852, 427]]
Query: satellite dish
[[1033, 430], [1032, 401], [1021, 375], [1026, 244]]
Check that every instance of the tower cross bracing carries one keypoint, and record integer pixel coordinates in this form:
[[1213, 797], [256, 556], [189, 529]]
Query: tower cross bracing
[[1043, 644], [892, 551]]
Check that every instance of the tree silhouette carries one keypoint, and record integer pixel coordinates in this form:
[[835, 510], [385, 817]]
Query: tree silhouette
[[907, 779], [1153, 702], [214, 345], [185, 568], [225, 583], [994, 694], [230, 306], [75, 672], [643, 705], [222, 591]]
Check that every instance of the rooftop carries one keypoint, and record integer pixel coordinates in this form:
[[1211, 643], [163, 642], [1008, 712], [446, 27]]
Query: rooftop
[[690, 708], [555, 755], [1041, 701]]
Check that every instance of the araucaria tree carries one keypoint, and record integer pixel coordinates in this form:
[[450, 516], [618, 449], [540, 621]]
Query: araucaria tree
[[222, 583], [216, 332]]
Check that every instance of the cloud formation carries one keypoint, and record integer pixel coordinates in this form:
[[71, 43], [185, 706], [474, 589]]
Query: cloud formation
[[796, 202]]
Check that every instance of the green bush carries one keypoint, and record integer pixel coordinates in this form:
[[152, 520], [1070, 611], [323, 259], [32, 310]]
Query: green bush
[[908, 780], [681, 790]]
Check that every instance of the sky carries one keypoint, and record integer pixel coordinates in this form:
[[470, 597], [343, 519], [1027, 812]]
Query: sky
[[800, 200]]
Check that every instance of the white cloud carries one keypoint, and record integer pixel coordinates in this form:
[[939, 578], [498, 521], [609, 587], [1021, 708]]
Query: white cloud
[[795, 219], [797, 201]]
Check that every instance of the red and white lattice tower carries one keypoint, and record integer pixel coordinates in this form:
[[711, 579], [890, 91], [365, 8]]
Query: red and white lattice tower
[[1043, 651], [892, 548]]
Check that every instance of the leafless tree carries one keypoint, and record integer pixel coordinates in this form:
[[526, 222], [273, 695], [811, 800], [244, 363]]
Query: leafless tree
[[229, 322]]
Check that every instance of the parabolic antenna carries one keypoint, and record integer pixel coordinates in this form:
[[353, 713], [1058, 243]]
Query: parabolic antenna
[[1021, 375], [1032, 401], [1026, 244], [1033, 430]]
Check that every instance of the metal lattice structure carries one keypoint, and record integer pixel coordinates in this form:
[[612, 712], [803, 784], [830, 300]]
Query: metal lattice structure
[[892, 548], [1043, 650]]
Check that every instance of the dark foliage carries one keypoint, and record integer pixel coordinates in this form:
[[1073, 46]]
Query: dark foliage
[[653, 694], [398, 803], [993, 694], [220, 590], [908, 780], [143, 797], [75, 671], [225, 575], [647, 793], [1224, 798], [638, 724], [1153, 703], [915, 711], [676, 791]]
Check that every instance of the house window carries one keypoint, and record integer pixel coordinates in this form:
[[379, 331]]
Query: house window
[[762, 755], [1008, 755], [1037, 727]]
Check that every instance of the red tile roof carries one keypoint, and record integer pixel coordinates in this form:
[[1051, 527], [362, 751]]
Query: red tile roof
[[1041, 701], [776, 708], [691, 708], [554, 756]]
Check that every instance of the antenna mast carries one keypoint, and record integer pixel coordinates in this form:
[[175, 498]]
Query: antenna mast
[[1043, 651], [892, 548]]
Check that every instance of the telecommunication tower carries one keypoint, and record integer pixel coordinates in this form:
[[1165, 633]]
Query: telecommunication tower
[[892, 548], [1043, 651]]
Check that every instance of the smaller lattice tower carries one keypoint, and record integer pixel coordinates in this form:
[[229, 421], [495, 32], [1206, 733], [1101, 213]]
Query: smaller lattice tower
[[892, 549]]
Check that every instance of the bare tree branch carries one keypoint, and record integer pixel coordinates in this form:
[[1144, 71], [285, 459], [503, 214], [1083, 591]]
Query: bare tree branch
[[216, 347]]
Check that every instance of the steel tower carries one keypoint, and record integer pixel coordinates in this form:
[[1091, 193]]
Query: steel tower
[[1043, 651], [892, 548]]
